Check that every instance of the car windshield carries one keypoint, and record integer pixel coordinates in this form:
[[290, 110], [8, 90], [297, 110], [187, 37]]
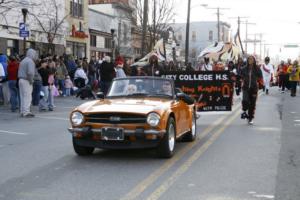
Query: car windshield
[[141, 87]]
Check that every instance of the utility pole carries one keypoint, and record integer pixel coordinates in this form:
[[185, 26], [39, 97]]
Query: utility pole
[[187, 34], [218, 19], [145, 20], [246, 38]]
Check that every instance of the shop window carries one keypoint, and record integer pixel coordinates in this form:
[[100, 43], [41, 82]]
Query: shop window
[[108, 43], [93, 40]]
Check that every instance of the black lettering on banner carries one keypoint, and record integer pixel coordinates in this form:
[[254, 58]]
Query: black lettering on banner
[[213, 90]]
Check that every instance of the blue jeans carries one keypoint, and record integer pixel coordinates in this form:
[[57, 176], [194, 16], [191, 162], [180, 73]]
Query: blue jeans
[[14, 95], [60, 84], [37, 87]]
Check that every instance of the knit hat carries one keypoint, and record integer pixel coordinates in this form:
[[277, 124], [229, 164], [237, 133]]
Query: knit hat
[[120, 60]]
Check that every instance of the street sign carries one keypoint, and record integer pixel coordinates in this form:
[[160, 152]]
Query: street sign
[[23, 30], [291, 46]]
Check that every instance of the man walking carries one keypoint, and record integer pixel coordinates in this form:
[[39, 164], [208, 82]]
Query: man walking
[[25, 75]]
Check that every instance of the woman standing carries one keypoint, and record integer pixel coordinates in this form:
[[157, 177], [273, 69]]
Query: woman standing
[[12, 72], [294, 72], [252, 79]]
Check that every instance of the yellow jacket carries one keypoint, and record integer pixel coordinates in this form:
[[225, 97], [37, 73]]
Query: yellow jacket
[[294, 72]]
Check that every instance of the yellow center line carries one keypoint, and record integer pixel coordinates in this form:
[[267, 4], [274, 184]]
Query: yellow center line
[[184, 167], [138, 189]]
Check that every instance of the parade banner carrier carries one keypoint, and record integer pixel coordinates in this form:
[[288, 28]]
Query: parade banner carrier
[[212, 90]]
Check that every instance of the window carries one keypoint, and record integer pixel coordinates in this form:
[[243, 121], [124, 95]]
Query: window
[[76, 8], [179, 37], [194, 36], [210, 35], [93, 40], [194, 53], [108, 43]]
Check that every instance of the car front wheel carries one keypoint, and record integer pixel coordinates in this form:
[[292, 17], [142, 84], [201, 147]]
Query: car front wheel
[[167, 145], [82, 150]]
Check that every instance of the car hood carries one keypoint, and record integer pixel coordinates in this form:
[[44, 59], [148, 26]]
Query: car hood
[[141, 106]]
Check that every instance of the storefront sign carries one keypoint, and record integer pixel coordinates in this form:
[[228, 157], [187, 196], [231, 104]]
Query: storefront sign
[[213, 91], [78, 34]]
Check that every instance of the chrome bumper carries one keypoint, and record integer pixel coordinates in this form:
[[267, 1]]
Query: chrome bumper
[[126, 131]]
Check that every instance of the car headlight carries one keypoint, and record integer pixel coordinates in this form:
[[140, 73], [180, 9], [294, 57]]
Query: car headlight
[[153, 119], [77, 118]]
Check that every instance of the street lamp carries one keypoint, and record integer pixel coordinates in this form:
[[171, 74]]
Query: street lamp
[[24, 12], [112, 31]]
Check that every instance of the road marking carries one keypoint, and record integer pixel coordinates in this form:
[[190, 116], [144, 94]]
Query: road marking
[[143, 185], [12, 132], [55, 118], [184, 167]]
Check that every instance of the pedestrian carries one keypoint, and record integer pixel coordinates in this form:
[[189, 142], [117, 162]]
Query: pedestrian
[[238, 84], [25, 74], [44, 73], [80, 77], [92, 70], [206, 65], [68, 85], [12, 72], [252, 78], [51, 80], [294, 73], [119, 68], [5, 88], [282, 76], [107, 74], [268, 72], [61, 72], [37, 87]]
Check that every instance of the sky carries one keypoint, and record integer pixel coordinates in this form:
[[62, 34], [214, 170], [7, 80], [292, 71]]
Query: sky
[[277, 20]]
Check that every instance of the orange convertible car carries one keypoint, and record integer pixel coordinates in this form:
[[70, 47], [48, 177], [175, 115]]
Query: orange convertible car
[[138, 112]]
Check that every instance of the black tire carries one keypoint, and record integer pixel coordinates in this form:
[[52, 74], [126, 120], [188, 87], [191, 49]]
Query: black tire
[[191, 135], [82, 150], [167, 144]]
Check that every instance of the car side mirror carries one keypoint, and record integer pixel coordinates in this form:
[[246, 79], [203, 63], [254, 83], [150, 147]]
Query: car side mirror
[[185, 98], [100, 95]]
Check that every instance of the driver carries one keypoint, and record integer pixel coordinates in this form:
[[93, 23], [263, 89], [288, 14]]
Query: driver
[[166, 88], [131, 89]]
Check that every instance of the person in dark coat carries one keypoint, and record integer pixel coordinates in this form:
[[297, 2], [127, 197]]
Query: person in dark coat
[[107, 74], [252, 78]]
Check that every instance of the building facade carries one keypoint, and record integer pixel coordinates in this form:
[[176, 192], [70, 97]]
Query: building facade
[[121, 24], [202, 34], [100, 27], [42, 28], [77, 38]]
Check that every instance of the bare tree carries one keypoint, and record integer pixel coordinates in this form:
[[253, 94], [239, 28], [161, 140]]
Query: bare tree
[[50, 21], [161, 12], [8, 5]]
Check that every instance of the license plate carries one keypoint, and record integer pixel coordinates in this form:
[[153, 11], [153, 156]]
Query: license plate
[[112, 134]]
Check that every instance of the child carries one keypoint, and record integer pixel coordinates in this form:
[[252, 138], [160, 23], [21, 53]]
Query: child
[[68, 85]]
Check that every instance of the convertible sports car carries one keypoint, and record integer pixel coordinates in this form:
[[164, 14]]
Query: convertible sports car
[[138, 112]]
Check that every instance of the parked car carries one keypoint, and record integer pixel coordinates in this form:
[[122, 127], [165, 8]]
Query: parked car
[[138, 112]]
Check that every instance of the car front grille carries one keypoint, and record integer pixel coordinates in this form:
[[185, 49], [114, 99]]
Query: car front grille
[[115, 118]]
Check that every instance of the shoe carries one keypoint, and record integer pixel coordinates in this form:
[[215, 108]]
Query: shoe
[[28, 115], [244, 115], [42, 109], [282, 91], [50, 109], [250, 121], [267, 91]]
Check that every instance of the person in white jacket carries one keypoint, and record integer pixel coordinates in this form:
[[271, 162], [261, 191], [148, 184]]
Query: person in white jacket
[[267, 71]]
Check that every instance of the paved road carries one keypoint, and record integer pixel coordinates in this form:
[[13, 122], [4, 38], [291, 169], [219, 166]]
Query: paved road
[[229, 160]]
